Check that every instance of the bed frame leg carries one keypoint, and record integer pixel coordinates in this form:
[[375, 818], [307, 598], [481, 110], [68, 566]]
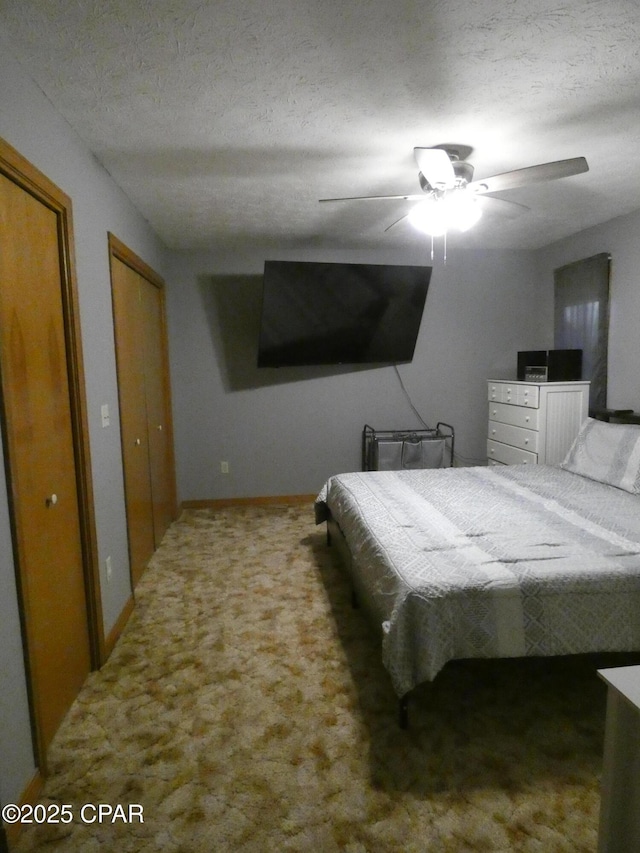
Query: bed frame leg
[[403, 711]]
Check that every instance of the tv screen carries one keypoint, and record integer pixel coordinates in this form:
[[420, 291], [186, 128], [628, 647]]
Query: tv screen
[[332, 313]]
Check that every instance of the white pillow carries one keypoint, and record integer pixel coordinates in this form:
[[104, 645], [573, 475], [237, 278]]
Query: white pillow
[[608, 453]]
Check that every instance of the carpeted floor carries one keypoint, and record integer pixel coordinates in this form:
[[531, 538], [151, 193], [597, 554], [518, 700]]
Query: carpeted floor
[[245, 709]]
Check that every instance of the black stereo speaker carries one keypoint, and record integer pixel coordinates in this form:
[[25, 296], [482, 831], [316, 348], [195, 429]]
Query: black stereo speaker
[[554, 365]]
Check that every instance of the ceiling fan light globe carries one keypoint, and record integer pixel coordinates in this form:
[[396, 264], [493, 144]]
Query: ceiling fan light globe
[[436, 216], [429, 216]]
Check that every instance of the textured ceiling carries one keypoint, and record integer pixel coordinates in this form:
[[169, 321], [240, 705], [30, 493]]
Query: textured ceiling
[[227, 120]]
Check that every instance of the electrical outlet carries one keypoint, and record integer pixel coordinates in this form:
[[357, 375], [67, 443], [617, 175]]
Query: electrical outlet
[[108, 568], [224, 467]]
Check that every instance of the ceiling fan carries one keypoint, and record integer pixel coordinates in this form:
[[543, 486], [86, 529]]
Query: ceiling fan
[[450, 196]]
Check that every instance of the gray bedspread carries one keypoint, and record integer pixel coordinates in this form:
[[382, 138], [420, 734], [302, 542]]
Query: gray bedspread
[[502, 561]]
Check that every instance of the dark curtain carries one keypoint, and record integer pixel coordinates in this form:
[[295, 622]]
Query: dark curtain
[[582, 319]]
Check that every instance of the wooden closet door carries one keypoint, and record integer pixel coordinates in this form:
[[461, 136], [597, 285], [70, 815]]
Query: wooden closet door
[[145, 402], [158, 418], [128, 320], [42, 471]]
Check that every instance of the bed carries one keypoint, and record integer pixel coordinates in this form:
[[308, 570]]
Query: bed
[[499, 561]]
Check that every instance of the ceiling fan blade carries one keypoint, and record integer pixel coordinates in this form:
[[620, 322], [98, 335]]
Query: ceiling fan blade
[[377, 198], [396, 222], [530, 175], [435, 165]]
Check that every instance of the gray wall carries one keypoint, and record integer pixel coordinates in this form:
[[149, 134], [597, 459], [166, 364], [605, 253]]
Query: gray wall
[[619, 237], [286, 431], [16, 761], [281, 432], [29, 124]]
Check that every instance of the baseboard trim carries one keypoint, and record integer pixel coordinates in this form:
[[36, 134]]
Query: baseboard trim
[[118, 628], [28, 797], [267, 500]]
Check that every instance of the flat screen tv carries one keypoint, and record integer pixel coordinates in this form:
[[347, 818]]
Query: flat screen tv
[[333, 313]]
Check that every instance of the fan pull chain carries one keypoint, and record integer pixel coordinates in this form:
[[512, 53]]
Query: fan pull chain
[[444, 248]]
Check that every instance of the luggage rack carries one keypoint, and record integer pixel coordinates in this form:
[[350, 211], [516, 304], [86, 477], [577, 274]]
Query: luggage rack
[[394, 450]]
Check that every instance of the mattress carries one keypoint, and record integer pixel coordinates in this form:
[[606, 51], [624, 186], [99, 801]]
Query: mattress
[[502, 561]]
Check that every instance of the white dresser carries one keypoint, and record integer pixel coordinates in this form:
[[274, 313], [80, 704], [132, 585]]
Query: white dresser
[[534, 422]]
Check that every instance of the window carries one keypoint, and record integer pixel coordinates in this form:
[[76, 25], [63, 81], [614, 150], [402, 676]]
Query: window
[[582, 319]]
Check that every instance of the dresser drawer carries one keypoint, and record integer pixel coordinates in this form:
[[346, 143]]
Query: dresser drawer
[[509, 455], [520, 416], [514, 394], [525, 439]]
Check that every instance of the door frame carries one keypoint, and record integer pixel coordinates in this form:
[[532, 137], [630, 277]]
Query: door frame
[[24, 174]]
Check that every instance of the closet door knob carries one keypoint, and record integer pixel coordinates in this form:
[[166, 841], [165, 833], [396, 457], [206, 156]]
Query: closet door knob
[[137, 442], [159, 427], [52, 500]]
